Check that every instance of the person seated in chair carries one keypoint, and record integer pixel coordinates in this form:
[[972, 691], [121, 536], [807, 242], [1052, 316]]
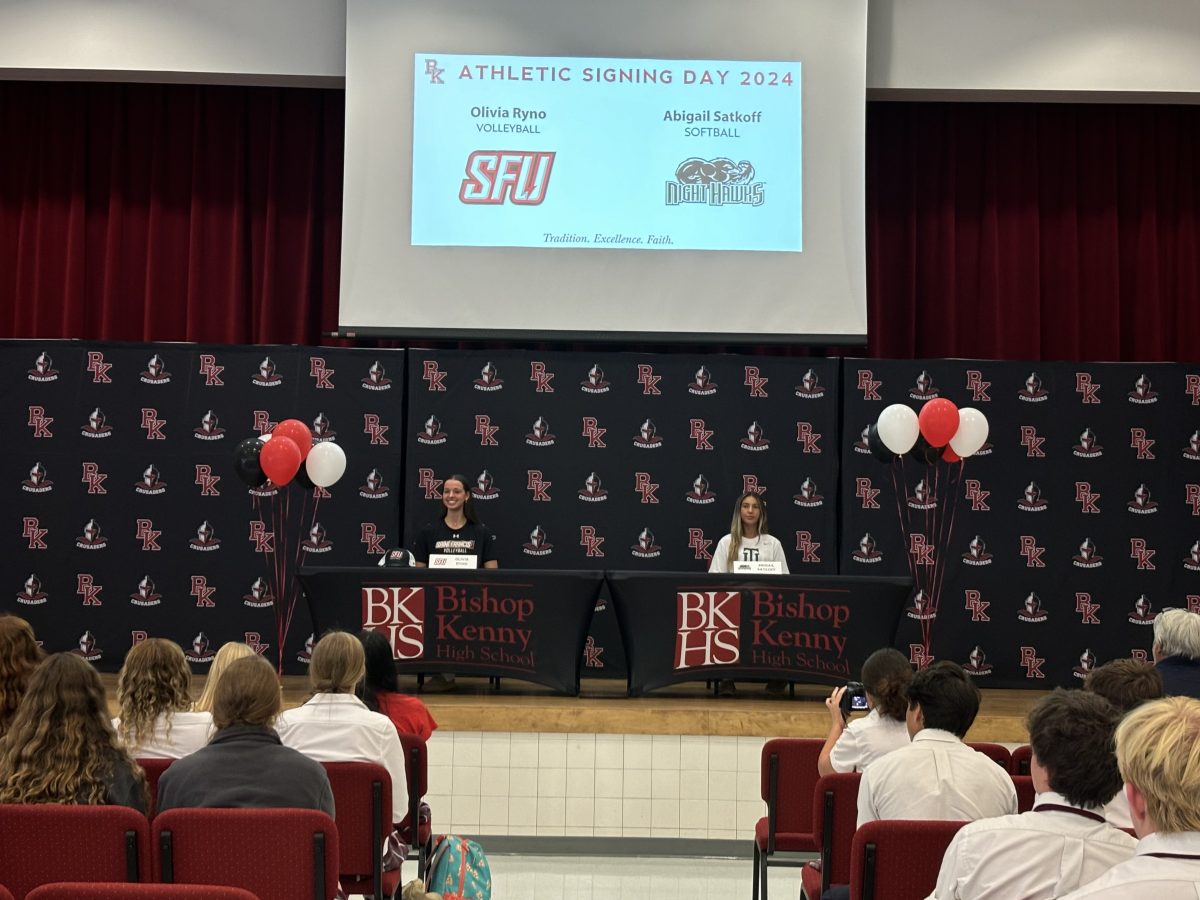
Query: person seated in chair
[[1177, 652]]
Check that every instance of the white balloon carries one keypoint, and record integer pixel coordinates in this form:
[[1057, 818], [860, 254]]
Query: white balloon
[[265, 437], [898, 428], [972, 432], [325, 464]]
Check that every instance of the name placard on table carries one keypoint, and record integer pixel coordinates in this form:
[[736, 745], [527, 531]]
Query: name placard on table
[[453, 561], [758, 567]]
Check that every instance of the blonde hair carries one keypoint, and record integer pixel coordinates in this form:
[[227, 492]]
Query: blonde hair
[[338, 664], [735, 528], [154, 680], [1158, 751], [19, 656], [226, 655], [247, 694]]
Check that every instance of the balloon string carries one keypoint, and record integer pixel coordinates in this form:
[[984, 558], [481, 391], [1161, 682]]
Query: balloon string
[[954, 502]]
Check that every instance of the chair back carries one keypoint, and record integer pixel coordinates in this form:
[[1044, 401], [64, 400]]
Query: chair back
[[1025, 792], [45, 843], [416, 767], [1021, 758], [362, 799], [4, 893], [73, 890], [898, 859], [278, 854], [835, 819], [154, 769], [996, 752], [787, 776]]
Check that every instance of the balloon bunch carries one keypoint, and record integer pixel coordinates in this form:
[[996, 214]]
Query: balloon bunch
[[282, 457], [940, 433]]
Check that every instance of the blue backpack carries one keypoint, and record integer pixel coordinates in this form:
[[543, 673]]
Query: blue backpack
[[458, 869]]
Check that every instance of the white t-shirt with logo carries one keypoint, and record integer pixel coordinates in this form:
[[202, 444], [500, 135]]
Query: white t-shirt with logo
[[764, 548]]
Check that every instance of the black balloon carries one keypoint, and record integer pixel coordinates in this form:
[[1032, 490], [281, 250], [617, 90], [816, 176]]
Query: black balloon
[[925, 452], [302, 478], [246, 464], [877, 447]]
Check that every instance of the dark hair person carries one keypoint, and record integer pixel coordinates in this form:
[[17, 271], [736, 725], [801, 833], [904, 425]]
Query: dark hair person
[[60, 746], [380, 691], [849, 748], [19, 656], [458, 531]]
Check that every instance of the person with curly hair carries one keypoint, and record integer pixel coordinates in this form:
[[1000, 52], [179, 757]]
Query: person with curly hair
[[61, 748], [19, 656], [153, 693], [229, 651]]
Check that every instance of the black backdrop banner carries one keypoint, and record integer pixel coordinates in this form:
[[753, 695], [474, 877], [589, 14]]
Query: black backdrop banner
[[1072, 529], [125, 518]]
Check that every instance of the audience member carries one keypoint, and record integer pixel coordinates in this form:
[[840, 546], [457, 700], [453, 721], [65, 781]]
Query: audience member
[[1064, 842], [60, 746], [1177, 651], [153, 694], [19, 656], [380, 691], [1158, 751], [245, 765], [937, 776], [227, 654], [849, 748], [335, 726]]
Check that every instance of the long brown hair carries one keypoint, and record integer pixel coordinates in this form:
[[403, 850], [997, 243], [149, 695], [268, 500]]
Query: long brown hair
[[19, 656], [61, 747], [735, 528], [155, 679]]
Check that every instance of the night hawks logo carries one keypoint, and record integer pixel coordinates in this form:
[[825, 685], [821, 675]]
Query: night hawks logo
[[716, 182]]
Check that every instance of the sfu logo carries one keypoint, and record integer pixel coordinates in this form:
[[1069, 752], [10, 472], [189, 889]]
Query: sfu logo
[[32, 532], [40, 422], [541, 378], [435, 376], [1032, 662], [648, 380], [699, 544], [376, 431], [807, 547], [153, 425], [399, 613], [1032, 552], [869, 385], [593, 432], [519, 176], [207, 481], [321, 372], [537, 484], [590, 541], [372, 538], [976, 606], [98, 367], [1087, 498], [1142, 444], [865, 492], [430, 485], [264, 540], [1089, 392], [1031, 442], [486, 431], [706, 628], [1087, 609], [701, 435], [644, 486], [147, 534], [211, 371], [973, 491], [977, 386], [756, 383], [807, 438]]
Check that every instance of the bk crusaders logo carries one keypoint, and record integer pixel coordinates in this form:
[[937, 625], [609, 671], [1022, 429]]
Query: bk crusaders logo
[[977, 553], [32, 594], [809, 497], [91, 539], [1087, 557], [266, 489], [700, 494], [1031, 610], [707, 626], [266, 376], [316, 542], [1087, 662], [923, 388], [593, 491], [921, 498], [647, 437], [260, 594], [97, 425], [206, 538], [1141, 502], [645, 548], [201, 649], [155, 371], [592, 654], [151, 483], [88, 648], [866, 552], [322, 429], [809, 387], [538, 543], [398, 613], [373, 488], [540, 435], [1192, 450], [43, 369], [1192, 561], [594, 383], [755, 439], [431, 433], [860, 446], [977, 663], [145, 595], [702, 384], [1088, 446], [305, 654], [489, 379], [1141, 393], [377, 379], [1033, 392], [209, 428], [1143, 611], [1032, 500], [921, 609], [38, 481]]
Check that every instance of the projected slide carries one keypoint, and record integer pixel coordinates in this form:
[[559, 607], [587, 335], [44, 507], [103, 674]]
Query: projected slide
[[633, 154]]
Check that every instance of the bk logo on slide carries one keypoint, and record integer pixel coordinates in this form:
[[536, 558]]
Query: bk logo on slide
[[520, 176], [706, 628], [398, 613]]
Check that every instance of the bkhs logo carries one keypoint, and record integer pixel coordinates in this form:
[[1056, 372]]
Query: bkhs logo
[[266, 376], [1032, 500], [1141, 554], [320, 372], [519, 176], [316, 541], [86, 587], [868, 384], [539, 434], [866, 492], [1088, 556], [921, 549], [1088, 446], [541, 378], [145, 593], [254, 641], [486, 431], [1142, 444], [809, 496], [646, 548], [1087, 662], [1141, 393], [1191, 562], [645, 487], [155, 371], [707, 625], [33, 533], [755, 381], [38, 481], [593, 432], [919, 656], [699, 544], [1087, 499], [432, 374], [977, 386], [322, 429], [377, 379], [489, 379], [91, 539], [755, 440], [43, 369], [590, 541], [809, 387], [538, 543], [702, 384], [647, 437], [807, 547], [1192, 497], [537, 485], [923, 388], [921, 608], [211, 371], [485, 487], [1031, 609], [594, 383], [98, 367], [1087, 609], [1143, 611], [977, 663], [209, 428], [1031, 442], [1089, 391], [1192, 450], [593, 491], [807, 438], [398, 613], [40, 422], [431, 433], [376, 431], [262, 422], [1033, 391], [974, 603], [866, 552], [201, 650], [921, 497], [592, 654], [260, 595], [700, 434], [435, 74], [207, 481], [97, 425], [1032, 662], [1032, 552], [700, 493], [430, 485], [1141, 503], [373, 488], [750, 485], [88, 648], [147, 534], [370, 535], [264, 540], [648, 380], [93, 478], [977, 553], [205, 539], [31, 594]]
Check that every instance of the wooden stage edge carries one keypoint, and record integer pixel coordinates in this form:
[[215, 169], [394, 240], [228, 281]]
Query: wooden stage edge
[[603, 708]]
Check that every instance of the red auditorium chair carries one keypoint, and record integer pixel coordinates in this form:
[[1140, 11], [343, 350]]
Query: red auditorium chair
[[898, 859], [416, 767], [835, 818], [154, 769], [4, 894], [787, 773], [362, 798], [74, 890], [997, 752], [1025, 792], [1021, 758], [278, 854], [36, 845]]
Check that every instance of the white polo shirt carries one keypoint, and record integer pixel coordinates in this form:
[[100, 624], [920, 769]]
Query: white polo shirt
[[866, 740], [188, 732], [1175, 875]]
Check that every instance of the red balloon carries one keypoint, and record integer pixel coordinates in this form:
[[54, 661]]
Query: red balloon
[[949, 455], [939, 421], [280, 459], [299, 434]]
